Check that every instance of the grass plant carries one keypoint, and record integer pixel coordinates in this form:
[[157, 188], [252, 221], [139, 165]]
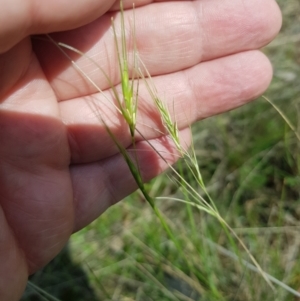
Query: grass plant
[[199, 258]]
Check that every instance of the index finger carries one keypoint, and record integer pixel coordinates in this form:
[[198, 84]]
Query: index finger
[[168, 40]]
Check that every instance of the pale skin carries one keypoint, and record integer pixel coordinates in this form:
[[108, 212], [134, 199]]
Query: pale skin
[[59, 170]]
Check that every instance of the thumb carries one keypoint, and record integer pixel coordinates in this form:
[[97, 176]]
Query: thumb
[[21, 18]]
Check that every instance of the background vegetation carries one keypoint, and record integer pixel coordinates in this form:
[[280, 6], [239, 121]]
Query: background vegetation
[[250, 163]]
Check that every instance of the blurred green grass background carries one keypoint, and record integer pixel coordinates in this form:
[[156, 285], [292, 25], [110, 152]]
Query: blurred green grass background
[[250, 162]]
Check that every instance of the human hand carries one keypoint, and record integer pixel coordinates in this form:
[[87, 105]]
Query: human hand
[[59, 169]]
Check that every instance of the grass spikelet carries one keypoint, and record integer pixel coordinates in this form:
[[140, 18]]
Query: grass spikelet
[[190, 161], [128, 106]]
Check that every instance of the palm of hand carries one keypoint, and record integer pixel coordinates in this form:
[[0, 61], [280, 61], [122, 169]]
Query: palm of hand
[[36, 191]]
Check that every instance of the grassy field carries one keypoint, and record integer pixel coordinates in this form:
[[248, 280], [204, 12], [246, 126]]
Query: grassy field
[[250, 162]]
